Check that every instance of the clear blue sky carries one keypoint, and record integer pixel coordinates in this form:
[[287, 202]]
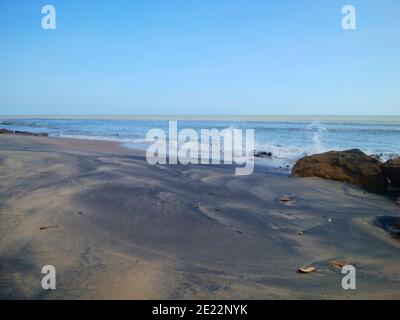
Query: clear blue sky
[[200, 57]]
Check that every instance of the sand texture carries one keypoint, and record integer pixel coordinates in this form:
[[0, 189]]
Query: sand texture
[[115, 227]]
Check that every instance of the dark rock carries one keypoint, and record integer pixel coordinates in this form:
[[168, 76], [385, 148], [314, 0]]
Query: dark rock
[[391, 168], [47, 227], [5, 131], [351, 166], [286, 200], [262, 154], [390, 224], [25, 133]]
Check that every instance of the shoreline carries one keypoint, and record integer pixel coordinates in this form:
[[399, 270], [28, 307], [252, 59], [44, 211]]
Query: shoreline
[[115, 227], [250, 118], [281, 165], [286, 141]]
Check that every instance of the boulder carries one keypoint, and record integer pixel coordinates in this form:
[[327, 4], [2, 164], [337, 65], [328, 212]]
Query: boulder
[[391, 168], [350, 166]]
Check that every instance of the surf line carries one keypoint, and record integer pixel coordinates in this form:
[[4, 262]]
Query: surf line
[[214, 147]]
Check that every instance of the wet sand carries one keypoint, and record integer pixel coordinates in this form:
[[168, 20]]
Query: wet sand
[[115, 227]]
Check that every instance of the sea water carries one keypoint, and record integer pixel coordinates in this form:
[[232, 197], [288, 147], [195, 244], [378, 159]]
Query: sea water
[[287, 137]]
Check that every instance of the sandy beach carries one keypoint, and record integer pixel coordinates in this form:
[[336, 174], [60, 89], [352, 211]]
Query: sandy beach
[[115, 227]]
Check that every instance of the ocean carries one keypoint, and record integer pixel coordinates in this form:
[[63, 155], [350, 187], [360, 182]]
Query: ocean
[[287, 137]]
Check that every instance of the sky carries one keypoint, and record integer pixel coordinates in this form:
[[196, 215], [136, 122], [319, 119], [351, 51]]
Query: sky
[[200, 57]]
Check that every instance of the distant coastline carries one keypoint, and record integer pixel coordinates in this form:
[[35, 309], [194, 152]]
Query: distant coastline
[[188, 117]]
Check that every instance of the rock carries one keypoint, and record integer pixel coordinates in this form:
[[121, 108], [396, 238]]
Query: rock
[[306, 270], [5, 131], [47, 227], [337, 264], [391, 168], [398, 201], [25, 133], [262, 154], [351, 166], [286, 200]]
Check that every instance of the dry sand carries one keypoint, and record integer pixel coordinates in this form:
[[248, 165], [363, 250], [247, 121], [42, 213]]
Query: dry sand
[[122, 229]]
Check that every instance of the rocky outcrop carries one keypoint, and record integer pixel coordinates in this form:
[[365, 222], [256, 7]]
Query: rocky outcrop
[[391, 168], [24, 133], [351, 166]]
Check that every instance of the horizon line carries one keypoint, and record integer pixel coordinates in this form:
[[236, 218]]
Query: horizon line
[[214, 117]]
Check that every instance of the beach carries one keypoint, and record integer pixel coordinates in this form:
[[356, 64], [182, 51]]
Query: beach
[[115, 227]]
